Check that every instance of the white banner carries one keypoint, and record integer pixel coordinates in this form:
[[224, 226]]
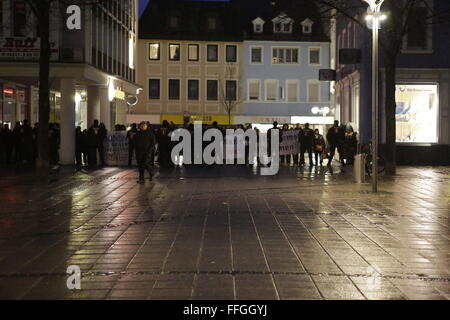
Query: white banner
[[289, 144], [116, 149]]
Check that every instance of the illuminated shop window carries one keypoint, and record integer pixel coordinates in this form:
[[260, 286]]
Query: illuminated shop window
[[416, 113]]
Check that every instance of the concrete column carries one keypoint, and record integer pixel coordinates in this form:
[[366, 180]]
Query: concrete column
[[67, 149], [105, 108], [93, 105]]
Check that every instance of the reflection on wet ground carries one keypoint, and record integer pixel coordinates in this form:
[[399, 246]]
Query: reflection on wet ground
[[225, 232]]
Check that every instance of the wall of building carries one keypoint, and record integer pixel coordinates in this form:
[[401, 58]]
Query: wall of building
[[302, 72], [201, 70]]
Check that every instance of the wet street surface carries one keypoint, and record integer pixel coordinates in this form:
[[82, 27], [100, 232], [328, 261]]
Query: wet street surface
[[225, 233]]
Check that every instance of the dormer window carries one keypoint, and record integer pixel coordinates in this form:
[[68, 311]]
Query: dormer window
[[282, 24], [307, 26], [258, 25]]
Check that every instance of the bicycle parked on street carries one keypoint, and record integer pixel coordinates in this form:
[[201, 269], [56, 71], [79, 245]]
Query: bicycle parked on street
[[367, 150]]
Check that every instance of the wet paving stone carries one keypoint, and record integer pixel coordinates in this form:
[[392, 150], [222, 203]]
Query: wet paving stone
[[225, 233]]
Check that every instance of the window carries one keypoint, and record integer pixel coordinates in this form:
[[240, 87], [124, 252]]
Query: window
[[277, 27], [154, 51], [313, 91], [307, 26], [416, 114], [258, 24], [256, 55], [174, 89], [284, 55], [231, 53], [19, 18], [272, 90], [230, 90], [253, 89], [174, 52], [287, 27], [193, 52], [193, 89], [314, 56], [211, 89], [417, 28], [213, 52], [212, 23], [154, 89], [292, 90]]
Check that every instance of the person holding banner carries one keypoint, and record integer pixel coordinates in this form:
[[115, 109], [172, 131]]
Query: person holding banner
[[143, 143]]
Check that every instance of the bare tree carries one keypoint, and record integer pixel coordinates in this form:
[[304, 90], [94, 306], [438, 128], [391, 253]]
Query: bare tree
[[230, 89], [401, 19]]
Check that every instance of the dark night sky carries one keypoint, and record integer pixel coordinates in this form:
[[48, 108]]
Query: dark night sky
[[143, 4]]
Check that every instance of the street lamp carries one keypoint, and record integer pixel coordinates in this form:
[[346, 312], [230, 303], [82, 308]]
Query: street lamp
[[375, 16]]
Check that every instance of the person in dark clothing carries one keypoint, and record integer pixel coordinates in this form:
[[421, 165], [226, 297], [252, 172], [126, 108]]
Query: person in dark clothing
[[285, 158], [102, 135], [319, 146], [53, 143], [335, 138], [92, 143], [26, 142], [35, 140], [16, 144], [143, 143], [130, 136], [164, 145], [350, 146], [306, 143], [269, 139], [78, 146], [7, 141]]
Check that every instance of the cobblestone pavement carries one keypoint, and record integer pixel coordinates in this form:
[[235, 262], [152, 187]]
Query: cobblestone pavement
[[226, 233]]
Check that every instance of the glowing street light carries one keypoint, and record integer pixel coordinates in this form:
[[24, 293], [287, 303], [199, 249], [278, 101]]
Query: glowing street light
[[375, 16]]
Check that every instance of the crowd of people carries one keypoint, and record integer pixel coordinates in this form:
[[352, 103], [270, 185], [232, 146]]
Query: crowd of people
[[148, 143]]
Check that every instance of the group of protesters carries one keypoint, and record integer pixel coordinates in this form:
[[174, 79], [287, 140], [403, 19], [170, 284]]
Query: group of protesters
[[147, 143], [339, 137], [19, 146]]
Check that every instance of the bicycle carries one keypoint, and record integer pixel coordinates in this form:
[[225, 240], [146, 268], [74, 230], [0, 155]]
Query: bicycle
[[367, 150]]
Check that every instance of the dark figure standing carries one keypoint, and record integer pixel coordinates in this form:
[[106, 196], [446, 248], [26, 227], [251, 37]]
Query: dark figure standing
[[53, 143], [93, 142], [130, 136], [306, 143], [102, 134], [144, 142], [335, 138], [78, 146], [269, 138], [7, 139], [319, 146], [164, 145]]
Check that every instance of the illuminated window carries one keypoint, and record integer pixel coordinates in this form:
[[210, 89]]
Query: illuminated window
[[416, 112], [253, 89], [313, 91], [153, 51], [174, 52], [193, 50]]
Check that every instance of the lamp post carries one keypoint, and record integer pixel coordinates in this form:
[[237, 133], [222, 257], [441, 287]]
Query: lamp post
[[375, 17]]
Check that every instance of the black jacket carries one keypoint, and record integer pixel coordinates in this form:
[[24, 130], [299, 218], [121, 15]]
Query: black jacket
[[336, 135], [306, 137], [144, 141]]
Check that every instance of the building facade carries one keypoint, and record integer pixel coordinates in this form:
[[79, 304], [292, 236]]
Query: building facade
[[190, 56], [422, 89], [284, 49], [92, 69]]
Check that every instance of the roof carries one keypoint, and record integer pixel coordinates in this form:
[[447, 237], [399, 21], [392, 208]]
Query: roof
[[189, 20]]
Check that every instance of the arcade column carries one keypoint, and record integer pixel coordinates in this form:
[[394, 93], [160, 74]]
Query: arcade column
[[67, 149]]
